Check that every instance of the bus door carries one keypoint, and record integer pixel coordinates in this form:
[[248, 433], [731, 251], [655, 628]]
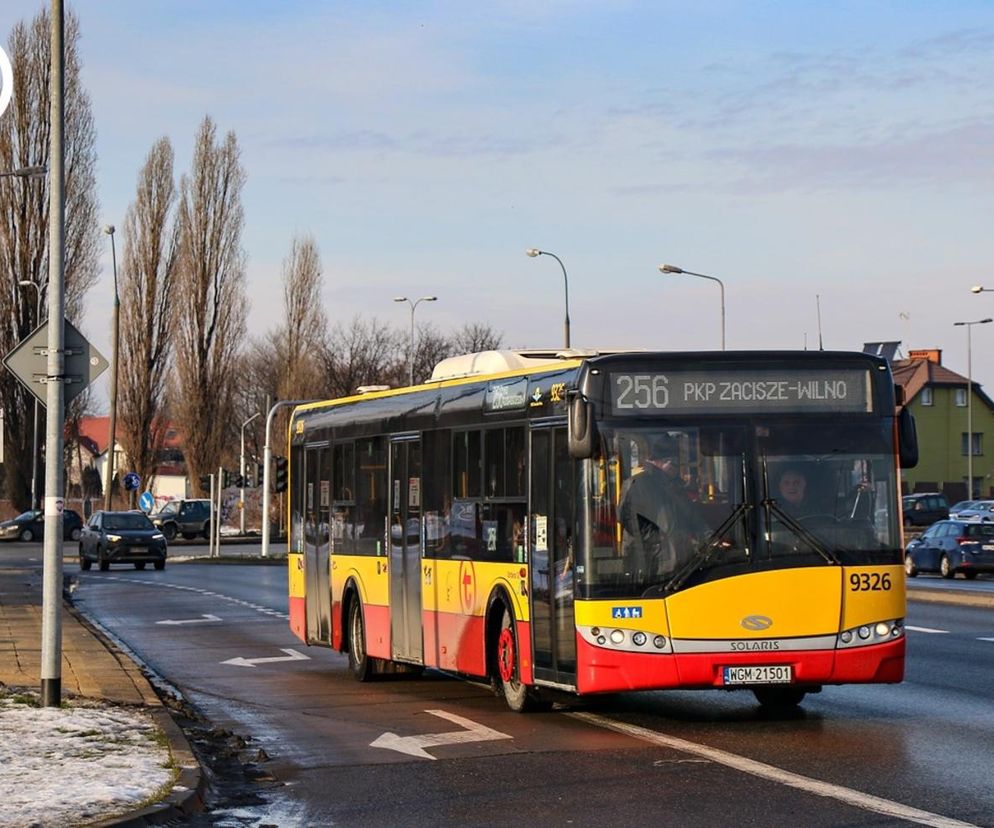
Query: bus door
[[552, 530], [317, 518], [405, 549]]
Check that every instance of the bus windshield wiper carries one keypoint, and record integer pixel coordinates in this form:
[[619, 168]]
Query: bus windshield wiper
[[772, 509], [706, 551]]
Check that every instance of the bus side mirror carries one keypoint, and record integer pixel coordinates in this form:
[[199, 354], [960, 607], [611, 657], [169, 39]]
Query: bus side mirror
[[907, 439], [581, 428]]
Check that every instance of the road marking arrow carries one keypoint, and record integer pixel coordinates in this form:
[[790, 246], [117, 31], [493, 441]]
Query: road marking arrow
[[203, 619], [291, 655], [415, 745]]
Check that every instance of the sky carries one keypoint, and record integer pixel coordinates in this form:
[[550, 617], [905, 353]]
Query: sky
[[808, 154], [76, 764]]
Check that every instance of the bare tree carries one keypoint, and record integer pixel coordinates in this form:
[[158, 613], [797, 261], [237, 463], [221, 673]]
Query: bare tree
[[147, 275], [212, 304], [430, 349], [474, 337], [305, 325], [364, 353], [24, 142]]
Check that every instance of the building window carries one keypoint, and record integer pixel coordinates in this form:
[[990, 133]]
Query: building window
[[961, 397], [978, 444], [927, 397]]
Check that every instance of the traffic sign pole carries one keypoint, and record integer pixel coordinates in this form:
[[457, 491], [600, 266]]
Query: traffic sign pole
[[51, 626]]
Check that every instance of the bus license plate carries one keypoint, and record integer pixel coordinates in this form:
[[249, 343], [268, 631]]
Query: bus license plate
[[758, 674]]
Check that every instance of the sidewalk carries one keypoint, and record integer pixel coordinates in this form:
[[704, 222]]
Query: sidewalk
[[92, 668]]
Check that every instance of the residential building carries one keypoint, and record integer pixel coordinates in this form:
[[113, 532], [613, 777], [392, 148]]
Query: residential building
[[90, 451], [941, 402]]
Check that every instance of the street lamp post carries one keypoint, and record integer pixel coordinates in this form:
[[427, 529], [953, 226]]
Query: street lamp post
[[668, 268], [34, 430], [410, 353], [969, 401], [533, 252], [115, 337], [241, 471]]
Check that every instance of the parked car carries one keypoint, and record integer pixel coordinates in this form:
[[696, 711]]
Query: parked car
[[186, 517], [963, 505], [121, 537], [952, 546], [982, 511], [30, 526], [924, 508]]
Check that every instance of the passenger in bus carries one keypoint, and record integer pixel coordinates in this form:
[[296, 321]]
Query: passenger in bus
[[661, 528]]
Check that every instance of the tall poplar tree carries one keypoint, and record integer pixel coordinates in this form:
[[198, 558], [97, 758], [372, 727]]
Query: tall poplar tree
[[24, 142], [211, 302]]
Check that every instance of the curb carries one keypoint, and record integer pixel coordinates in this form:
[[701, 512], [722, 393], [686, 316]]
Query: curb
[[187, 795], [951, 596], [188, 791]]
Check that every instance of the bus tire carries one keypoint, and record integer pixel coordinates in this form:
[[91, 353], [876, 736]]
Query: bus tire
[[779, 698], [519, 697], [360, 664]]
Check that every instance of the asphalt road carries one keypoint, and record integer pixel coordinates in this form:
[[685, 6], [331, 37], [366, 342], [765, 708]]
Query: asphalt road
[[916, 753]]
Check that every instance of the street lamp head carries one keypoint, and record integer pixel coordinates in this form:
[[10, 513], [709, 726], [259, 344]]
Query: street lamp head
[[668, 268], [109, 229], [429, 298], [977, 289], [26, 282], [533, 252], [399, 298]]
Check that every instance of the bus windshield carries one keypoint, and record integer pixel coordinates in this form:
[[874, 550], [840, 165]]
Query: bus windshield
[[667, 507]]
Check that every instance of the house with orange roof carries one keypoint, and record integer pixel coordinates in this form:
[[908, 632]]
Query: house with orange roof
[[942, 401], [89, 450]]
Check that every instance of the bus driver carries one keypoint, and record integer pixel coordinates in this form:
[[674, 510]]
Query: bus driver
[[661, 527]]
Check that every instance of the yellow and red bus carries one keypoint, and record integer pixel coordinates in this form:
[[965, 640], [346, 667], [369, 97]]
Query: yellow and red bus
[[472, 524]]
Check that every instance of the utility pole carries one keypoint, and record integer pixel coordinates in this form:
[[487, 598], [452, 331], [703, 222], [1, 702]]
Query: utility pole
[[51, 627]]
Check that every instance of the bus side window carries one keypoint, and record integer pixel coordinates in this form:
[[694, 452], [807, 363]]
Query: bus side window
[[436, 491], [371, 505]]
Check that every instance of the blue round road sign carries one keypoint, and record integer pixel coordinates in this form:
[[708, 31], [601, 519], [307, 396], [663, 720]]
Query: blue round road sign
[[132, 481], [146, 502]]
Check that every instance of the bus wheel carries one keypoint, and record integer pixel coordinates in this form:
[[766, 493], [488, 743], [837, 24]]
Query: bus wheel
[[518, 696], [779, 697], [359, 663]]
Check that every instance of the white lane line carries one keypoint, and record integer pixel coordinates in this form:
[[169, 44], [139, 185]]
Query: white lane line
[[985, 639], [926, 630], [845, 795], [199, 590]]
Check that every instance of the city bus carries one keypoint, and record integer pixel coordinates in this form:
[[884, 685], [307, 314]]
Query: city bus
[[481, 523]]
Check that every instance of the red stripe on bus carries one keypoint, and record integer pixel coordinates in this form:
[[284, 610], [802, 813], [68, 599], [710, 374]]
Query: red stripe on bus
[[455, 642], [298, 618], [603, 670], [377, 621]]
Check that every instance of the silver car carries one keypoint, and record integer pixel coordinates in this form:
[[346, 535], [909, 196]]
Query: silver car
[[981, 511]]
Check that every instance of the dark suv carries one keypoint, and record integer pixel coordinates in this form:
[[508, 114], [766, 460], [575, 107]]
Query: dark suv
[[188, 518], [924, 508]]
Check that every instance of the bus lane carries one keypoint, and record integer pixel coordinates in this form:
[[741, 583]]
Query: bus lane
[[321, 727]]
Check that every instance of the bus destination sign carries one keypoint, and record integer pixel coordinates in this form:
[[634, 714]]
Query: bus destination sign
[[741, 391]]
